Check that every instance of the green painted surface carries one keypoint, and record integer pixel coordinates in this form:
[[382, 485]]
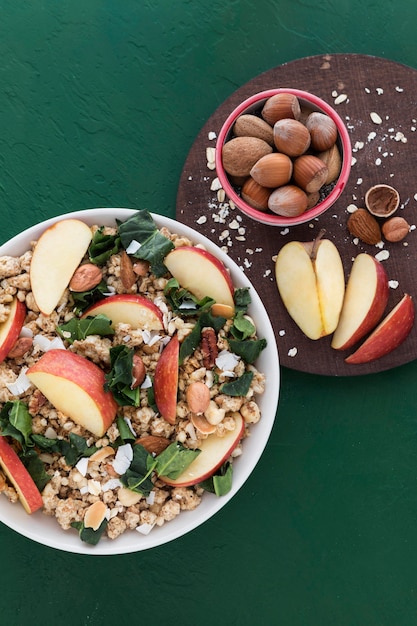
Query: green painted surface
[[100, 103]]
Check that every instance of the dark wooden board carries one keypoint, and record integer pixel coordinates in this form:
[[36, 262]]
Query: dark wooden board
[[384, 153]]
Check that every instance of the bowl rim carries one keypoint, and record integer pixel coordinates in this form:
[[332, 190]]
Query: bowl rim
[[45, 530], [268, 218]]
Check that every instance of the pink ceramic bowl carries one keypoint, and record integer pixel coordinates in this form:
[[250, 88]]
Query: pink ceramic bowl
[[254, 105]]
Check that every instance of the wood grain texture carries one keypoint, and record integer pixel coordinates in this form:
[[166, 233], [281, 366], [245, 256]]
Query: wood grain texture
[[384, 153]]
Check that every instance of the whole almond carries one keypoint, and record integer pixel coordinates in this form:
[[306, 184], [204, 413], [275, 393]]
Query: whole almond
[[127, 273], [395, 229], [154, 444], [85, 277], [248, 125], [198, 397], [21, 346], [310, 172], [240, 154], [363, 225], [139, 371], [272, 170]]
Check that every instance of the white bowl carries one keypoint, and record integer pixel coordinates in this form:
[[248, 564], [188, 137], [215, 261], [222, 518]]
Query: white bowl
[[46, 530]]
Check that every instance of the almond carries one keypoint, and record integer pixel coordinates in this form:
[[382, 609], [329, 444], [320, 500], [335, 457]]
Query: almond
[[153, 443], [95, 514], [240, 154], [127, 273], [139, 371], [198, 397], [363, 225], [248, 125], [22, 345], [85, 278], [272, 170]]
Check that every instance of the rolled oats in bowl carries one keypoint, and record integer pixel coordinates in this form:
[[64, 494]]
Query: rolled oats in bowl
[[133, 378]]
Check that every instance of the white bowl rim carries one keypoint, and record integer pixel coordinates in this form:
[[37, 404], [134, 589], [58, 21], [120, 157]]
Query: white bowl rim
[[46, 530]]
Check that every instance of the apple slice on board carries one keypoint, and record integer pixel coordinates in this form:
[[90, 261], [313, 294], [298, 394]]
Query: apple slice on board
[[388, 335], [57, 254], [74, 386], [215, 450], [132, 309], [165, 383], [10, 329], [202, 274], [365, 300], [20, 478], [311, 283]]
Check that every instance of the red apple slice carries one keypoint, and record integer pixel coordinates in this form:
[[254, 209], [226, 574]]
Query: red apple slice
[[132, 309], [165, 382], [365, 300], [20, 478], [201, 273], [215, 450], [74, 386], [388, 335], [56, 256], [10, 329]]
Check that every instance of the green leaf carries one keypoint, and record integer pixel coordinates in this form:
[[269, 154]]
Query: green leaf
[[242, 299], [79, 329], [153, 245], [221, 482], [124, 430], [119, 379], [192, 340], [249, 349], [16, 422], [84, 299], [103, 246], [183, 302], [75, 449], [238, 386], [174, 460], [242, 328], [138, 476], [88, 535], [36, 468]]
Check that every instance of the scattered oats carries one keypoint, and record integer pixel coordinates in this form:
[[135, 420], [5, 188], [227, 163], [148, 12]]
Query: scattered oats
[[249, 251], [375, 118], [258, 249], [223, 235], [212, 135], [382, 256], [281, 333], [221, 195], [211, 165], [351, 208], [371, 135], [399, 89], [358, 145], [311, 225], [247, 263], [287, 230], [393, 284], [267, 273], [232, 204], [240, 238], [385, 154], [355, 241], [234, 224], [379, 91], [413, 128], [399, 136], [241, 230], [413, 227], [202, 220], [378, 161], [353, 161], [292, 352], [206, 178], [341, 98], [215, 184], [359, 181], [274, 258], [367, 90], [380, 244], [190, 178], [334, 93]]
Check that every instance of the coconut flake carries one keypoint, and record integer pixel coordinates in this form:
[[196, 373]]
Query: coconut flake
[[21, 384], [46, 344], [82, 465], [123, 458], [112, 483], [133, 247], [144, 529], [26, 332], [147, 383], [227, 361]]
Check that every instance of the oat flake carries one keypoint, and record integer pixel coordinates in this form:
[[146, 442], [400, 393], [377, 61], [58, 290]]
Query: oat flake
[[375, 118], [382, 256], [292, 352], [393, 284]]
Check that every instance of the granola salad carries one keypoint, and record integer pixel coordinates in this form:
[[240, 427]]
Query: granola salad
[[128, 379]]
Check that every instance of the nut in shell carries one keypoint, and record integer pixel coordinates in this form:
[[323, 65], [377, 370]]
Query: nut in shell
[[395, 229], [288, 201], [309, 172], [240, 154], [255, 195], [291, 137], [363, 225], [322, 129], [248, 125], [333, 159], [279, 106], [382, 200], [272, 170]]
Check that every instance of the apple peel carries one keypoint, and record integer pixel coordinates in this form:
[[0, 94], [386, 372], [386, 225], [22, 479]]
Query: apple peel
[[388, 335], [29, 494]]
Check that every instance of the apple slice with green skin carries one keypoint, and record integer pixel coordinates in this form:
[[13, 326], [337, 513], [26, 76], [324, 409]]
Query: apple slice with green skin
[[20, 478], [57, 254], [365, 301], [135, 310], [201, 273], [311, 283], [388, 335], [165, 383], [215, 451], [74, 386], [10, 329]]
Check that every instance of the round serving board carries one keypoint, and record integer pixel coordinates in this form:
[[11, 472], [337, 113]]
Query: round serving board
[[357, 86]]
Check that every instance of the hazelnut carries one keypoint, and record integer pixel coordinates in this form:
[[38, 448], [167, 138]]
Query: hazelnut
[[272, 170], [279, 106], [323, 130], [395, 229], [310, 172], [240, 154], [288, 201], [291, 137], [255, 195]]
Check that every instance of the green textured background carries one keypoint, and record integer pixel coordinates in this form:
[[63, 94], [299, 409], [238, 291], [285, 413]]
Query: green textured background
[[100, 103]]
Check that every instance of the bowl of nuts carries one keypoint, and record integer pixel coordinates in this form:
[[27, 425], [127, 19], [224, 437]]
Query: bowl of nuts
[[283, 156]]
